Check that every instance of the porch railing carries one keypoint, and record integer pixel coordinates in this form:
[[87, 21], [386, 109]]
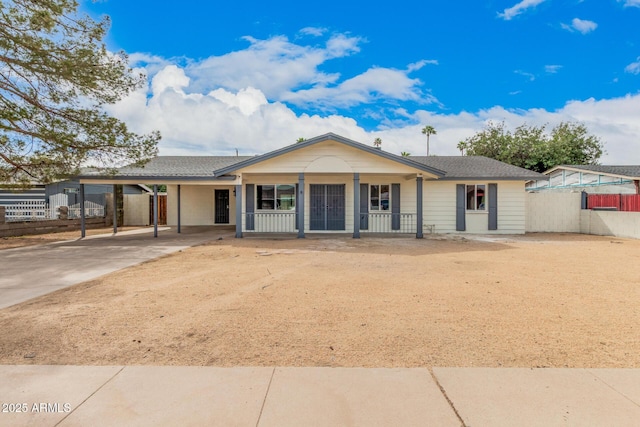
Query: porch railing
[[373, 222], [270, 222], [383, 222]]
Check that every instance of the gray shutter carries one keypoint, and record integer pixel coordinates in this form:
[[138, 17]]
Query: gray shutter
[[461, 198], [395, 206], [250, 207], [493, 206], [364, 206]]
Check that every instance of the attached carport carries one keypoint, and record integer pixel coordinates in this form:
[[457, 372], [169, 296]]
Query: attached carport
[[175, 172]]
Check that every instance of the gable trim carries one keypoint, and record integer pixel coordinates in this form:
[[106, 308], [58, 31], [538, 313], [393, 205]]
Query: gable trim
[[329, 137]]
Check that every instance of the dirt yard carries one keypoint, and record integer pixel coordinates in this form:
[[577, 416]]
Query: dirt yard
[[534, 301]]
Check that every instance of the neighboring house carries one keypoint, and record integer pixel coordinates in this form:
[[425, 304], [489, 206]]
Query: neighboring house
[[333, 184], [594, 179], [42, 192]]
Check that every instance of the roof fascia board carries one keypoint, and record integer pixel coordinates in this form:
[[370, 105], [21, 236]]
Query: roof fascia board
[[154, 178], [329, 137]]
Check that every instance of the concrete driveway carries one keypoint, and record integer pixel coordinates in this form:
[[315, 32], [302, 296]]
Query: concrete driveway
[[33, 271]]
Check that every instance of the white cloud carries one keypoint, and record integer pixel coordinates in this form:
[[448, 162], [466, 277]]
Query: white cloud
[[313, 31], [516, 10], [580, 25], [634, 67], [373, 84], [238, 101], [552, 69], [221, 121], [529, 76], [630, 3]]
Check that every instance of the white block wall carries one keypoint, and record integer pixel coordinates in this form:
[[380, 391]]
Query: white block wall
[[553, 212]]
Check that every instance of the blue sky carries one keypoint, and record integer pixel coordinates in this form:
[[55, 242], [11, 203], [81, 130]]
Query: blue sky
[[257, 75]]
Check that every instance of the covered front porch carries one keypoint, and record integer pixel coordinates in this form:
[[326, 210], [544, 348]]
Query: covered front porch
[[329, 203]]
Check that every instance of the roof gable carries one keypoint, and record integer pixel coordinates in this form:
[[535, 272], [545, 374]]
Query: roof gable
[[332, 138]]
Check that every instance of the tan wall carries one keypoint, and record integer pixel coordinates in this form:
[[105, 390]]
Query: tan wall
[[553, 212], [605, 223], [440, 208], [329, 157], [197, 204], [136, 209]]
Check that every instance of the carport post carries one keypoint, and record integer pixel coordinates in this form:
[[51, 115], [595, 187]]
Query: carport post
[[238, 193], [83, 226], [115, 209], [419, 207], [155, 210], [356, 205], [178, 208]]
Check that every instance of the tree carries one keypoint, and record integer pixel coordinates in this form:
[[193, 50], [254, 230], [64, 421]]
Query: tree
[[405, 154], [428, 130], [56, 76], [377, 142], [301, 139], [530, 147]]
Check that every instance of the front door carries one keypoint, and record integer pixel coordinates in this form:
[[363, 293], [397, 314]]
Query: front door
[[327, 207], [222, 207]]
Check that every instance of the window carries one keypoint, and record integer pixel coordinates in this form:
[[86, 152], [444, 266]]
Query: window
[[379, 197], [476, 197], [276, 197]]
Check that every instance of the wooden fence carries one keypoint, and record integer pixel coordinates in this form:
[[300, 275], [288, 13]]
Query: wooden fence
[[620, 202]]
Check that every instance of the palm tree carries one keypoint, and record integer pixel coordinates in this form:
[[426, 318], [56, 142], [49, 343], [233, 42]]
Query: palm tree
[[377, 142], [428, 130], [405, 154], [461, 146], [301, 139]]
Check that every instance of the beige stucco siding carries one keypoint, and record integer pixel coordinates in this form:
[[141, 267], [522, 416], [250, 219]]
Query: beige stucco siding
[[197, 205], [329, 157], [440, 208]]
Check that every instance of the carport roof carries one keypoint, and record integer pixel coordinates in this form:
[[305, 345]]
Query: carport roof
[[173, 167]]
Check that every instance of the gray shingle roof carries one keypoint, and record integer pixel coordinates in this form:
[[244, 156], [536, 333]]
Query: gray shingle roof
[[179, 167], [476, 167], [625, 171]]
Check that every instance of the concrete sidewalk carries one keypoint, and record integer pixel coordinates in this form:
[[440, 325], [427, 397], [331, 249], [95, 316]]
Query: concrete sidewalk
[[261, 396], [33, 271]]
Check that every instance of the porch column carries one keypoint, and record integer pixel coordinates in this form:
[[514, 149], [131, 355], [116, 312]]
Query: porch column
[[300, 204], [356, 205], [155, 210], [419, 207], [238, 211], [179, 209], [115, 209], [83, 225]]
